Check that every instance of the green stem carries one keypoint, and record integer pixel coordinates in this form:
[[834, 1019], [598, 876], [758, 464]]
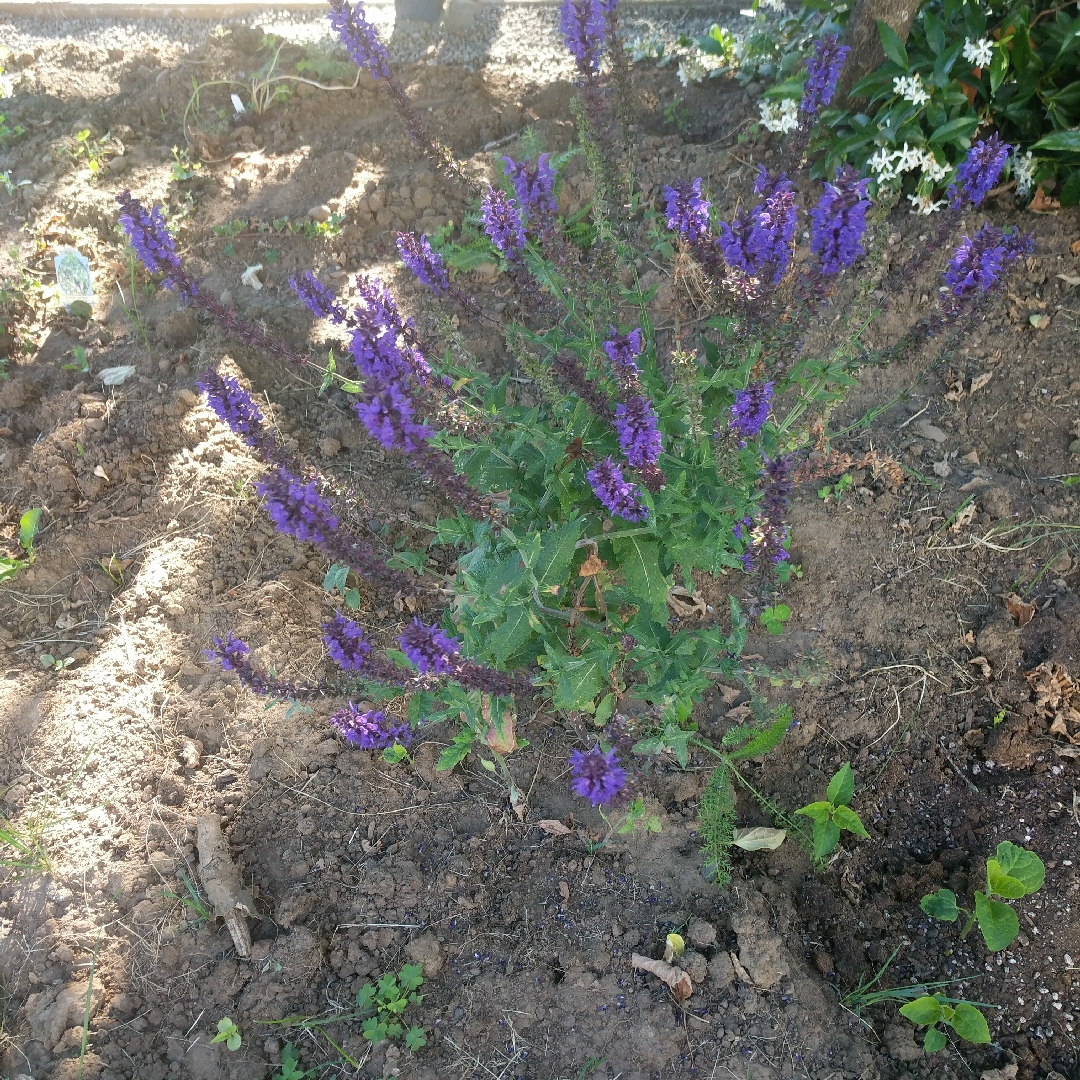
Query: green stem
[[969, 924]]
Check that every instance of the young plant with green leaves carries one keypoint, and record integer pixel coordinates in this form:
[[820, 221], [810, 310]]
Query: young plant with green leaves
[[962, 1016], [1013, 873], [29, 524], [385, 1003], [833, 814], [228, 1033]]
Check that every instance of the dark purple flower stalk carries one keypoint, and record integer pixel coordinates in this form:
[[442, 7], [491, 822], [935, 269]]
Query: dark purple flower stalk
[[770, 543], [318, 298], [979, 171], [566, 369], [621, 350], [369, 730], [687, 211], [582, 25], [426, 265], [429, 648], [234, 656], [148, 235], [617, 495], [234, 407], [822, 74], [359, 38], [345, 642], [502, 222], [838, 221], [387, 413], [980, 260], [474, 676], [751, 409], [297, 509], [534, 187], [636, 425], [598, 777]]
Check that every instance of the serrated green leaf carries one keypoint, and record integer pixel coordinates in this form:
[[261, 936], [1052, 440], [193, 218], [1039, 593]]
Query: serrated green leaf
[[639, 560], [941, 905], [818, 811], [922, 1011], [1023, 865], [969, 1023], [849, 821], [842, 786], [552, 563], [997, 921]]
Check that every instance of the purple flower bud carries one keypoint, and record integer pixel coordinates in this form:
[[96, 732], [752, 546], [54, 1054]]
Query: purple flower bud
[[838, 221], [359, 38], [534, 187], [582, 26], [387, 414], [370, 730], [758, 242], [231, 652], [618, 496], [502, 221], [344, 641], [598, 777], [233, 405], [979, 171], [639, 439], [621, 350], [297, 509], [148, 235], [426, 265], [429, 648], [687, 211], [751, 409], [822, 73], [980, 260], [318, 298]]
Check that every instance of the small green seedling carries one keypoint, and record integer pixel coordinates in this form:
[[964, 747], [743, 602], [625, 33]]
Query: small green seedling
[[834, 814], [773, 618], [228, 1033], [54, 663], [81, 363], [965, 1020], [183, 168], [838, 490], [1014, 872], [290, 1066], [383, 1004], [28, 528]]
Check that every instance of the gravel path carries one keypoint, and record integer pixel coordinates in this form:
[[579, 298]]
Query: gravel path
[[513, 39]]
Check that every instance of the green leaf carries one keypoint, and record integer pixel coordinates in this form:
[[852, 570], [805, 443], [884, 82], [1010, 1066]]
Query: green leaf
[[893, 46], [411, 977], [848, 820], [233, 1041], [580, 678], [28, 527], [1060, 140], [969, 1023], [604, 710], [998, 922], [935, 1040], [941, 905], [819, 811], [1001, 884], [1070, 191], [393, 754], [826, 837], [639, 560], [414, 1038], [457, 751], [842, 786], [922, 1011], [552, 565], [1023, 865], [81, 309], [510, 636], [335, 578], [963, 127], [998, 69]]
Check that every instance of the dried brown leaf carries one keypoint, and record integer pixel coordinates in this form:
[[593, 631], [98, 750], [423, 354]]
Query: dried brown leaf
[[964, 518], [591, 566], [685, 604], [553, 827], [758, 838], [979, 381], [677, 980], [1019, 609], [983, 665]]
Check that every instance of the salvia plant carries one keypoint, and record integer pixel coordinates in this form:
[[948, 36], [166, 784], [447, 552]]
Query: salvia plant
[[646, 457]]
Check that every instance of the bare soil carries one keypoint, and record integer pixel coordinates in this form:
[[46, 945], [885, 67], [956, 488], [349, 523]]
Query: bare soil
[[153, 542]]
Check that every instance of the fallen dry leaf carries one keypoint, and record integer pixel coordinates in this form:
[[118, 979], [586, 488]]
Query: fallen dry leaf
[[1043, 203], [740, 972], [955, 383], [739, 714], [964, 518], [1074, 248], [591, 566], [1020, 610], [759, 838], [729, 694], [500, 734], [1057, 697], [553, 827], [983, 665], [685, 604], [677, 980], [1006, 1072], [564, 890], [979, 381]]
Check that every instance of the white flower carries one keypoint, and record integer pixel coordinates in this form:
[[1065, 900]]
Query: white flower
[[932, 168], [979, 53], [924, 204], [910, 88], [690, 70], [1023, 170], [883, 165], [773, 5], [781, 116], [911, 157]]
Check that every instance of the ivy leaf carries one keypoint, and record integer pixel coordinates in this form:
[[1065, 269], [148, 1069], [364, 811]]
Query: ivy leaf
[[941, 905], [922, 1011], [998, 922], [969, 1023], [842, 786]]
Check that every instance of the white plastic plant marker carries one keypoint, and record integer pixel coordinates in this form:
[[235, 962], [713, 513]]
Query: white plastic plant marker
[[73, 280], [238, 105]]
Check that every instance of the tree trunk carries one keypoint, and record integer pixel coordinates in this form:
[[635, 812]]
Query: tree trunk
[[862, 35]]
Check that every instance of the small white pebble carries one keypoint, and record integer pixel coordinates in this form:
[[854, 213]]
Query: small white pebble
[[1068, 960]]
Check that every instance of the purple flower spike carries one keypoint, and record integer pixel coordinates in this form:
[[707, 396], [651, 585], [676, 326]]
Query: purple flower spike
[[534, 187], [318, 298], [838, 221], [344, 641], [371, 730], [598, 777], [639, 438], [297, 509], [582, 26], [621, 350], [758, 241], [233, 405], [359, 38], [617, 495], [979, 171], [736, 240], [822, 73], [980, 260], [687, 211], [429, 648], [231, 652], [387, 415], [502, 221], [148, 235], [751, 409], [426, 265]]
